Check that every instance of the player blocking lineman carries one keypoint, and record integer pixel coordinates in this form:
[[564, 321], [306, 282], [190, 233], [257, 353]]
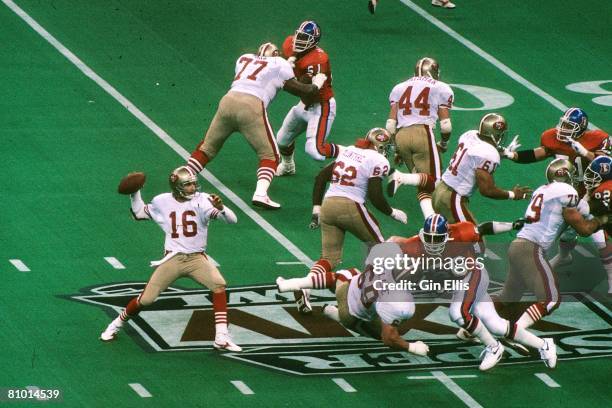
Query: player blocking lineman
[[553, 207], [244, 109], [416, 106], [355, 175], [183, 215]]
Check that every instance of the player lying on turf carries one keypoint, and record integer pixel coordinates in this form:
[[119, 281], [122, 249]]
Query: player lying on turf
[[361, 307]]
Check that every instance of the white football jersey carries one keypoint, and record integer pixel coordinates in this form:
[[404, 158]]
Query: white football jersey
[[185, 223], [418, 100], [364, 305], [352, 169], [472, 153], [261, 76], [545, 211]]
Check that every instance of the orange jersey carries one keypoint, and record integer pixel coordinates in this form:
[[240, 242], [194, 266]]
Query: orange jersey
[[592, 140], [599, 201], [312, 62], [459, 233]]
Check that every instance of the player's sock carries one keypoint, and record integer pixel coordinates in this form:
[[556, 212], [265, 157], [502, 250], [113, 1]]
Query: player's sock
[[525, 337], [198, 160], [533, 313], [476, 328], [425, 203], [132, 309], [321, 275], [220, 309], [265, 174]]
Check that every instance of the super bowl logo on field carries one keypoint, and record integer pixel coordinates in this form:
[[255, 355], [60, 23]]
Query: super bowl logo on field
[[274, 335]]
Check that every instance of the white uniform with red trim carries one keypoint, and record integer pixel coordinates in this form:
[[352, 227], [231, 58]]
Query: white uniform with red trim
[[472, 153], [545, 211], [363, 307], [419, 99], [261, 76], [352, 170], [185, 223]]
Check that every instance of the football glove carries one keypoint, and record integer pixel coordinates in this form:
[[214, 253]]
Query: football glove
[[399, 215], [518, 224], [291, 61], [509, 151], [442, 145], [419, 348], [314, 220], [319, 79]]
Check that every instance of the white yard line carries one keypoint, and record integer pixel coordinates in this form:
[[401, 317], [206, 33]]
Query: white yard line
[[547, 380], [159, 132], [290, 263], [114, 262], [140, 390], [342, 383], [242, 387], [490, 254], [489, 58], [18, 263], [447, 381]]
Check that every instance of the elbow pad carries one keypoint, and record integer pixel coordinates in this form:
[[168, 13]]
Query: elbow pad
[[446, 126], [391, 126]]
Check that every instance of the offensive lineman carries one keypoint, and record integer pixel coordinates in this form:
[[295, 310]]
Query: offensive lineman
[[552, 208], [416, 105], [243, 109], [183, 215], [362, 307], [356, 175]]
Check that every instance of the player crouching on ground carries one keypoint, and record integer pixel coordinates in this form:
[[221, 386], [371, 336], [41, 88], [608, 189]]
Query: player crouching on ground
[[362, 307], [183, 215]]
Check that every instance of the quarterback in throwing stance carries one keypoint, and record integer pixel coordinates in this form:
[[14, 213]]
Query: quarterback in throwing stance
[[183, 215], [258, 77], [315, 115]]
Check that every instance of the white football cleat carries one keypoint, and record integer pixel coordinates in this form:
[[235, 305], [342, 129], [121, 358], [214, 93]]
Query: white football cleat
[[372, 6], [287, 285], [111, 330], [224, 342], [444, 4], [548, 353], [465, 335], [285, 168], [302, 301], [264, 201], [557, 261], [331, 312], [492, 355]]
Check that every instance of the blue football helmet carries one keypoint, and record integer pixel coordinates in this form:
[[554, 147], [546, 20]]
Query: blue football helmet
[[306, 36], [434, 234], [572, 124], [598, 171]]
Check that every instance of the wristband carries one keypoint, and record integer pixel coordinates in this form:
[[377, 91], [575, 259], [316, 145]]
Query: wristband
[[510, 195]]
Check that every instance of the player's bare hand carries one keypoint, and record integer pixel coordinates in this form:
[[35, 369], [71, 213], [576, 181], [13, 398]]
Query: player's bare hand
[[216, 201], [521, 193]]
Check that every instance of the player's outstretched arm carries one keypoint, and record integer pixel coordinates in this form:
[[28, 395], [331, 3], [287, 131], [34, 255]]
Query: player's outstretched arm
[[527, 156], [498, 227], [486, 187], [391, 337], [377, 198], [297, 88], [583, 227]]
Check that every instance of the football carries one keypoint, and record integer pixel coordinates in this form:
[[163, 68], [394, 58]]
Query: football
[[131, 183]]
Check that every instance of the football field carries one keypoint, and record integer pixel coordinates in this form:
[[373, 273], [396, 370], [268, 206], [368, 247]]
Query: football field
[[95, 89]]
